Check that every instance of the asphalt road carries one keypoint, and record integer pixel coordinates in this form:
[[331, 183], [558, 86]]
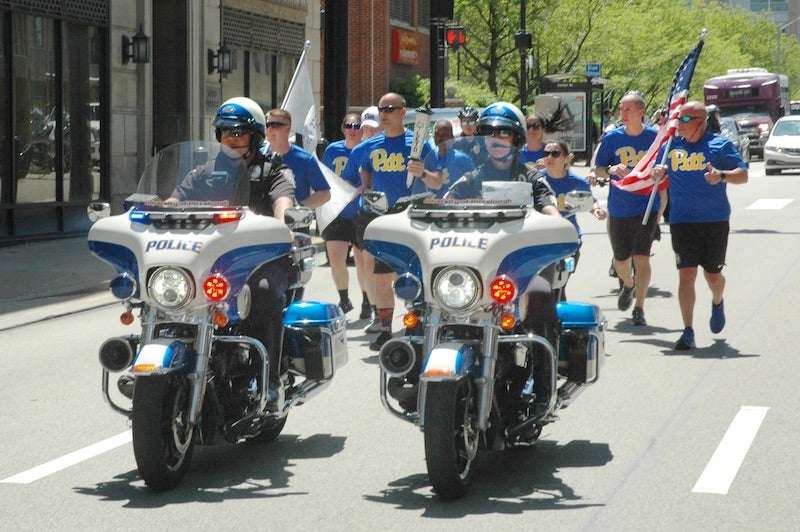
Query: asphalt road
[[666, 440]]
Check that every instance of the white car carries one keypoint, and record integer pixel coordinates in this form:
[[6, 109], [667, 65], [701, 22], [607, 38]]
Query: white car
[[782, 149]]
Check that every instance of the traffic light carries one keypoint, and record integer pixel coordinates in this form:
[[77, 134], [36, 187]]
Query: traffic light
[[455, 36]]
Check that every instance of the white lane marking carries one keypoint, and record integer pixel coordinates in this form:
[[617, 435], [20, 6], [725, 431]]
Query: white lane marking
[[720, 471], [54, 466], [769, 204]]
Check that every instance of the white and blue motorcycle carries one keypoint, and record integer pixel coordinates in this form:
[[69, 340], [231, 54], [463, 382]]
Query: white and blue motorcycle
[[191, 376], [472, 370]]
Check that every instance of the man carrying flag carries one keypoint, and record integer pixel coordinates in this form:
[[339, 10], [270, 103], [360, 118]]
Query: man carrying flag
[[617, 157], [699, 165]]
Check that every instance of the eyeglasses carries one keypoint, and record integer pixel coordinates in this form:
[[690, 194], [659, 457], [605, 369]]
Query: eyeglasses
[[276, 124], [352, 125], [686, 118], [388, 109], [534, 126], [232, 132], [501, 133], [554, 153]]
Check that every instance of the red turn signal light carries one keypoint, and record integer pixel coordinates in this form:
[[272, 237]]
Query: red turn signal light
[[507, 322], [502, 290], [227, 216], [126, 318], [216, 287]]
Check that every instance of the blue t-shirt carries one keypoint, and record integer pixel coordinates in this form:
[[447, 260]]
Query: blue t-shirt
[[336, 158], [691, 198], [564, 185], [618, 147], [307, 175], [530, 157], [386, 159], [453, 165]]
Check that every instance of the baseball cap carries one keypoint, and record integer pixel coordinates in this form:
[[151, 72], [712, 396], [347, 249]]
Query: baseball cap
[[370, 117]]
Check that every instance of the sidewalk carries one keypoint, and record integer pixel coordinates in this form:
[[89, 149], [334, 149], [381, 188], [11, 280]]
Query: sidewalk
[[45, 279]]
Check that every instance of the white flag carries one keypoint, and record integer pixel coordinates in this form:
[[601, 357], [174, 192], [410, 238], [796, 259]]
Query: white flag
[[299, 101], [342, 193]]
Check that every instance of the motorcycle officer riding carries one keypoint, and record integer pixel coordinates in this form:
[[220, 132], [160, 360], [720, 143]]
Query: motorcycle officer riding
[[505, 122], [241, 126]]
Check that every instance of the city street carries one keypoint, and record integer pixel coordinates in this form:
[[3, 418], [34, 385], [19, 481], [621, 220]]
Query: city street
[[666, 440]]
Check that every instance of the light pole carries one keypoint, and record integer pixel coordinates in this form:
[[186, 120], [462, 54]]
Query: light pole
[[778, 51]]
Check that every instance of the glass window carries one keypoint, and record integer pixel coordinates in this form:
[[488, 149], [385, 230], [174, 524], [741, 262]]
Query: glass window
[[35, 112], [261, 79]]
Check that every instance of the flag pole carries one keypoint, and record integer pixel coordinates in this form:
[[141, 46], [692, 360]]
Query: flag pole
[[292, 83], [651, 200]]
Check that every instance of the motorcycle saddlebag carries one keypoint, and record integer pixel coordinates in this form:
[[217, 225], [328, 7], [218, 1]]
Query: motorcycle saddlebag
[[314, 337], [581, 345]]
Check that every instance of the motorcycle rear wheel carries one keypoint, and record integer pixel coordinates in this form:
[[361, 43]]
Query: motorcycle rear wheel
[[162, 437], [451, 439]]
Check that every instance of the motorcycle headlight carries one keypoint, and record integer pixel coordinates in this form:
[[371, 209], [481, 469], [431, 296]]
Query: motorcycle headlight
[[456, 288], [170, 288]]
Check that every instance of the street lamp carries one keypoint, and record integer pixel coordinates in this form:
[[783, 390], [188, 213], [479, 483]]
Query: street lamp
[[778, 51]]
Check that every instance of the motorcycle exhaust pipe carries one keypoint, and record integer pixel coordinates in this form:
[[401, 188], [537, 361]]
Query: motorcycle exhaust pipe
[[397, 357], [116, 354]]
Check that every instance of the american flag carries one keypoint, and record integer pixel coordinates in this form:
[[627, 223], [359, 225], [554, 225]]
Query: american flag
[[639, 179]]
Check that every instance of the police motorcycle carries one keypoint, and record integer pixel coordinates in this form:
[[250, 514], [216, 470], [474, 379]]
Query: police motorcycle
[[191, 377], [469, 371]]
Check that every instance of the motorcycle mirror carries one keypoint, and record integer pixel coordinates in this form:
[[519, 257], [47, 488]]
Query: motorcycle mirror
[[578, 201], [97, 210], [298, 216], [377, 202]]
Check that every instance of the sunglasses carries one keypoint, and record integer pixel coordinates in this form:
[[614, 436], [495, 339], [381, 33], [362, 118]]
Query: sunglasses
[[686, 118], [232, 132], [501, 133], [388, 109], [276, 124], [554, 153], [468, 122], [352, 125], [534, 126]]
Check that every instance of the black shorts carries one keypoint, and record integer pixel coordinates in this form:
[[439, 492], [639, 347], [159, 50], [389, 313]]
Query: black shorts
[[700, 244], [340, 229], [629, 237], [360, 221]]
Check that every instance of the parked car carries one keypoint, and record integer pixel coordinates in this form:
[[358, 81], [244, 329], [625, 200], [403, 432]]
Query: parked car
[[730, 129], [782, 149], [448, 113]]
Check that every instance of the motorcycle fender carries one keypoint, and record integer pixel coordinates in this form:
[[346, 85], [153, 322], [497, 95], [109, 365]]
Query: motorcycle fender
[[160, 356], [449, 361]]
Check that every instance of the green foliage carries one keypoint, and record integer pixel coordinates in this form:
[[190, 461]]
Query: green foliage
[[415, 90], [638, 43]]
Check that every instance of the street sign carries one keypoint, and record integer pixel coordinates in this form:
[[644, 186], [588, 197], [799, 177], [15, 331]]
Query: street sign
[[593, 70]]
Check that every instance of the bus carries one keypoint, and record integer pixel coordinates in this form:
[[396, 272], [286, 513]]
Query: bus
[[754, 97]]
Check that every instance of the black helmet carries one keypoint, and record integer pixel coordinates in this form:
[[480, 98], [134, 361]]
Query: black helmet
[[503, 114], [468, 112]]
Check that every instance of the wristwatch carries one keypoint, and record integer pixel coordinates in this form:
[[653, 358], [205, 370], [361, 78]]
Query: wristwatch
[[722, 176]]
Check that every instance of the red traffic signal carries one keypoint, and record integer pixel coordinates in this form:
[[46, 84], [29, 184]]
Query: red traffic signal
[[455, 36]]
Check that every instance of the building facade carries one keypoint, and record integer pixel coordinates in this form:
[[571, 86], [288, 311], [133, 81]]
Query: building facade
[[85, 105]]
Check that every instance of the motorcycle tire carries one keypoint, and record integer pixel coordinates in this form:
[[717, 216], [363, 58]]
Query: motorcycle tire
[[163, 440], [451, 439]]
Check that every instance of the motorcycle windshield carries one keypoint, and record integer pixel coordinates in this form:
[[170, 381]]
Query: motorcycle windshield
[[194, 175], [476, 173]]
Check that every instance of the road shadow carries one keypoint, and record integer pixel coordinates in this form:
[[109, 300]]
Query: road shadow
[[508, 482], [224, 472]]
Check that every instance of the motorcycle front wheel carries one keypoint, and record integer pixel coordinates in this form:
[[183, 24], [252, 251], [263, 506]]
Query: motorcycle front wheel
[[162, 436], [451, 439]]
